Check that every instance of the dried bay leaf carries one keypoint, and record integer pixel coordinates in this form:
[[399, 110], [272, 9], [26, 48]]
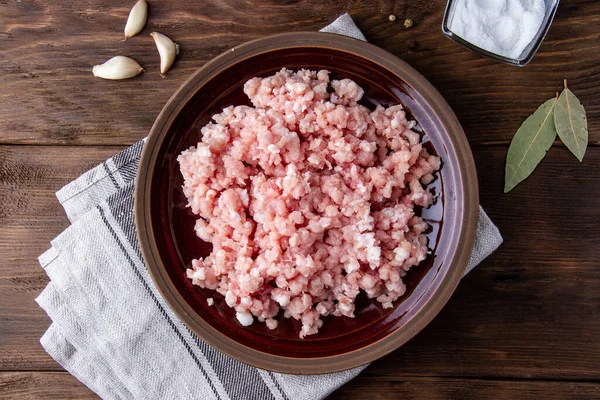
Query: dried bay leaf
[[530, 144], [571, 123]]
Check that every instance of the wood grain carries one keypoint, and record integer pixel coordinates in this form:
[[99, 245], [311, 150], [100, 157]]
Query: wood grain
[[49, 96], [526, 312], [42, 385], [399, 387], [61, 385]]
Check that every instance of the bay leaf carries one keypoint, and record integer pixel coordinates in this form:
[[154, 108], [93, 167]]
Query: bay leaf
[[530, 144], [571, 123]]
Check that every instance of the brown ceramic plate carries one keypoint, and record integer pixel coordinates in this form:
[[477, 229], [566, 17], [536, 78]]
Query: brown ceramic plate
[[165, 225]]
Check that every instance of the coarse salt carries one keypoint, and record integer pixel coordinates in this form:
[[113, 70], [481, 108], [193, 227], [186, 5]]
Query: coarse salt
[[503, 27]]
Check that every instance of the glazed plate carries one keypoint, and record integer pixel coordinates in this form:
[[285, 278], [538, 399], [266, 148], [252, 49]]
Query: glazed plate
[[165, 224]]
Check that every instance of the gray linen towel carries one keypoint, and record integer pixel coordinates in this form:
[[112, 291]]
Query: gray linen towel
[[112, 330]]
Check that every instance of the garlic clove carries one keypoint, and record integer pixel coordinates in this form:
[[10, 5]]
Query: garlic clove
[[137, 19], [167, 50], [118, 67]]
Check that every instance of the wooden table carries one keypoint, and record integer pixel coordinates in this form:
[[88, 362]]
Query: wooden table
[[525, 323]]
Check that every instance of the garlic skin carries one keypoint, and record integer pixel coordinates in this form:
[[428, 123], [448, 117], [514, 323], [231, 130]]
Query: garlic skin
[[137, 19], [119, 67], [167, 50]]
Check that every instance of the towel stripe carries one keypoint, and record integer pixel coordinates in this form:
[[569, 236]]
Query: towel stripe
[[229, 371], [277, 385], [110, 175], [157, 303], [241, 381]]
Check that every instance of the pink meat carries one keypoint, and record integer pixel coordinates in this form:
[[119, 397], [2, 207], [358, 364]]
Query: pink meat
[[308, 198]]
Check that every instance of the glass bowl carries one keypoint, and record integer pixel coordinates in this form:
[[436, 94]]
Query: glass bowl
[[529, 51]]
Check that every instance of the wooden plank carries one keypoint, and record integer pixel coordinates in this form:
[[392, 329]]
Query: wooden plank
[[49, 95], [61, 385], [42, 385], [399, 387], [528, 311]]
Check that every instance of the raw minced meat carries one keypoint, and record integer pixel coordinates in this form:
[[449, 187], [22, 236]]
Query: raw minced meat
[[307, 198]]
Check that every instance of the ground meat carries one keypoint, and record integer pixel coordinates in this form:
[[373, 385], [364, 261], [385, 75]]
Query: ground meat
[[308, 198]]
